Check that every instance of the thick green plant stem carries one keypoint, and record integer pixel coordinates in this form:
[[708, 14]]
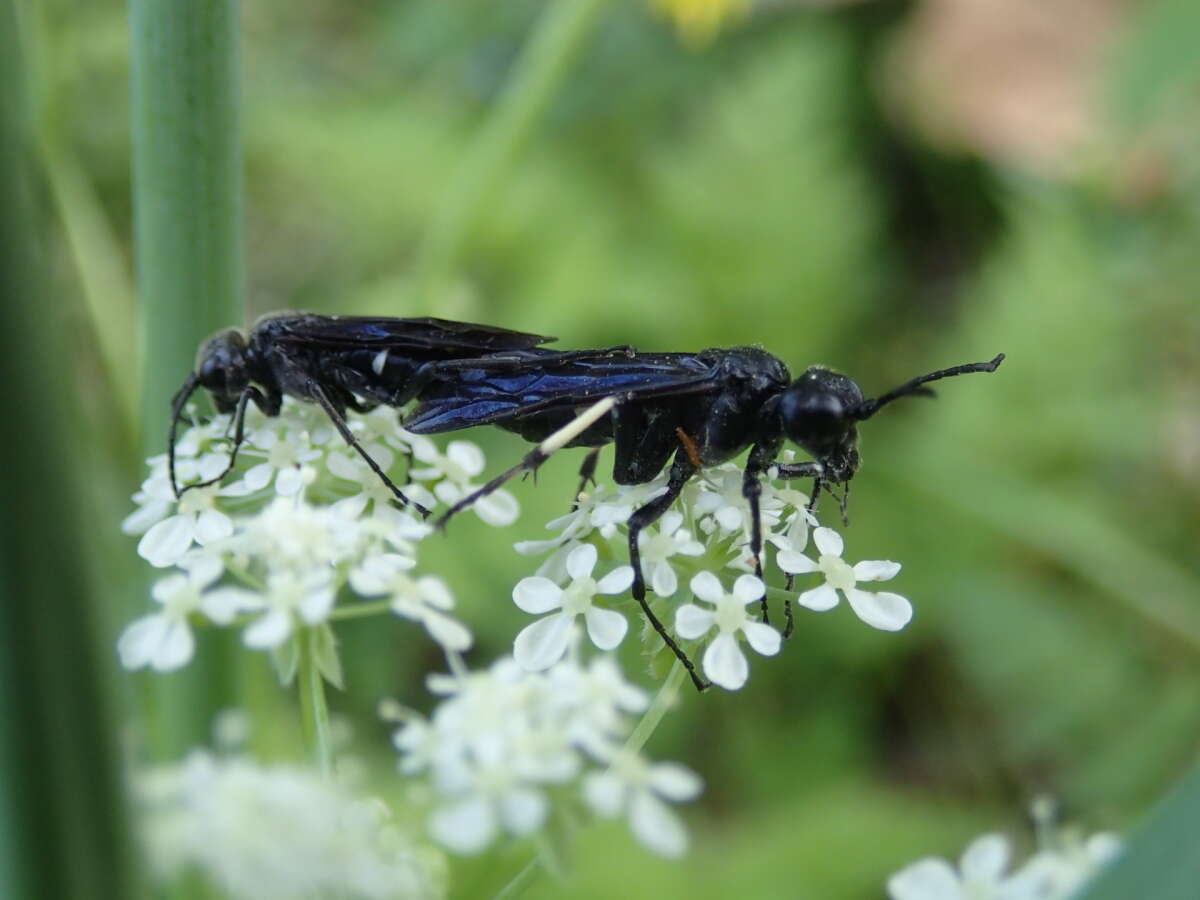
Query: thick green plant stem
[[313, 708], [187, 171], [62, 825], [538, 73], [188, 249]]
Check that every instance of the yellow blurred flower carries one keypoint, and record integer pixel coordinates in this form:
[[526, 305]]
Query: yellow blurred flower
[[698, 21]]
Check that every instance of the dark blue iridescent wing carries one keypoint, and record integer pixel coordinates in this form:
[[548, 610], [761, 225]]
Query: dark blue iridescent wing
[[512, 386], [368, 332]]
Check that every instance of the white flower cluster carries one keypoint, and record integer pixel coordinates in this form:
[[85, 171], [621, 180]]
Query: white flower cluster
[[300, 518], [1059, 868], [503, 739], [712, 507], [280, 831]]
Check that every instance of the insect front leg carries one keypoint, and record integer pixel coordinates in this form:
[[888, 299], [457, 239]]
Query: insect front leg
[[756, 465], [786, 471], [318, 394], [268, 403], [538, 455], [681, 470]]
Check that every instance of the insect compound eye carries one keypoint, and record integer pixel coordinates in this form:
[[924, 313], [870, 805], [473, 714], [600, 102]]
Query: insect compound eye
[[221, 364], [812, 415], [818, 410]]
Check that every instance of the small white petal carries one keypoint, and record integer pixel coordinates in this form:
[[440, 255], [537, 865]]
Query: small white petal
[[762, 637], [450, 633], [887, 612], [140, 640], [876, 570], [729, 518], [828, 541], [604, 793], [605, 627], [795, 563], [985, 858], [616, 582], [657, 826], [707, 586], [140, 520], [290, 481], [926, 879], [536, 595], [725, 664], [466, 456], [1103, 847], [675, 782], [433, 590], [212, 525], [316, 605], [523, 810], [221, 605], [175, 649], [270, 630], [498, 509], [258, 477], [166, 541], [663, 580], [748, 588], [465, 827], [581, 561], [692, 621], [542, 644], [819, 599], [344, 466]]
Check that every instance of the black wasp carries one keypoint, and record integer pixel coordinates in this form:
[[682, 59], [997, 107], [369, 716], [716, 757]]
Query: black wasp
[[337, 362], [694, 409]]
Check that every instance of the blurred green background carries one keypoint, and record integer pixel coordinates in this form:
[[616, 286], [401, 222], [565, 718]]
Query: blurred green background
[[883, 187]]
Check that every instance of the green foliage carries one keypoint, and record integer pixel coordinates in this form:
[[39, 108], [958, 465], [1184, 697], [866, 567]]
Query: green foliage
[[1045, 516]]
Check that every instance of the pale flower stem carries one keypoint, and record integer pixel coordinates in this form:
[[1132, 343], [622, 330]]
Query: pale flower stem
[[545, 860], [360, 610], [522, 881], [663, 701], [313, 709]]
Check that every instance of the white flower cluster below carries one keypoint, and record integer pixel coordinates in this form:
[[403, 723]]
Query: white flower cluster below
[[503, 739]]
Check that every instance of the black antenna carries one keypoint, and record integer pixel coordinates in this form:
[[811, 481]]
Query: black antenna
[[177, 403], [870, 407]]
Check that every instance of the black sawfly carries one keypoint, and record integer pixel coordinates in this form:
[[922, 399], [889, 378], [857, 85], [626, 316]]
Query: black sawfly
[[336, 362], [692, 409]]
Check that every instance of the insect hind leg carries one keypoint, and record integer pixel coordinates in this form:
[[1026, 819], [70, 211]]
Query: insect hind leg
[[535, 457]]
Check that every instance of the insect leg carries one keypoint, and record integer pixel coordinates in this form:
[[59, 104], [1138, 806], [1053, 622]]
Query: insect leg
[[587, 474], [756, 464], [238, 424], [537, 455], [811, 470], [318, 394], [681, 470], [177, 403]]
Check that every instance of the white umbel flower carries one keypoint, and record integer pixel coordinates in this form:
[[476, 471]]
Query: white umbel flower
[[723, 662], [658, 546], [883, 610], [638, 788], [163, 640], [544, 643], [425, 599], [980, 874], [281, 831], [454, 471]]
